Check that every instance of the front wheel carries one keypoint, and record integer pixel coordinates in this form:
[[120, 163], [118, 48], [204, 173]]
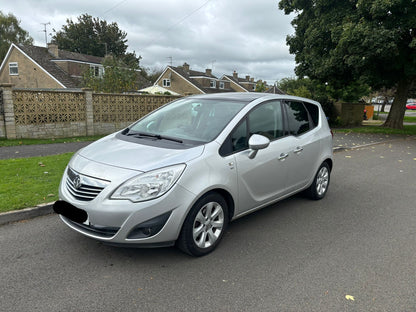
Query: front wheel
[[320, 184], [204, 225]]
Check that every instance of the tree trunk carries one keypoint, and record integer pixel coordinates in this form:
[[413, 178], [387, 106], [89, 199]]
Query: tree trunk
[[398, 107]]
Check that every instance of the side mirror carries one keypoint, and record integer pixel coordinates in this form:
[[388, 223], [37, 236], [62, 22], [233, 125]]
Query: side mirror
[[256, 143]]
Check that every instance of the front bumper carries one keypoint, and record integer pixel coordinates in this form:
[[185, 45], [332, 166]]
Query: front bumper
[[122, 222]]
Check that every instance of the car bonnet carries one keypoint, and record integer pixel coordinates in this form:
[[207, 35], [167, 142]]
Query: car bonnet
[[114, 152]]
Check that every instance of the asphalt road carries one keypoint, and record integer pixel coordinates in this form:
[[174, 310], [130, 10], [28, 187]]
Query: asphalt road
[[297, 255]]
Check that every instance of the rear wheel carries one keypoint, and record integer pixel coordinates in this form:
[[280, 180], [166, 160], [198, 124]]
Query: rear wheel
[[204, 225], [320, 184]]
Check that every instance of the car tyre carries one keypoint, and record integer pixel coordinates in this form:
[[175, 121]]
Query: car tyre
[[320, 183], [204, 226]]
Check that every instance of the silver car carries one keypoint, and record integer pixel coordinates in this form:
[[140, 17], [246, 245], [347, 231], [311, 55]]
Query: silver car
[[180, 174]]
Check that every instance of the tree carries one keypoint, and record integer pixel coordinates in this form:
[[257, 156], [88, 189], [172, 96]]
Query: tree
[[118, 76], [11, 32], [351, 44], [91, 36], [153, 73], [260, 86]]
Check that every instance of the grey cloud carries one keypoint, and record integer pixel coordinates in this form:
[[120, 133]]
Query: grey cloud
[[247, 36]]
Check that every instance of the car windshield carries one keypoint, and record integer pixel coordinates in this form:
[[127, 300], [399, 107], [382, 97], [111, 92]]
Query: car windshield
[[193, 119]]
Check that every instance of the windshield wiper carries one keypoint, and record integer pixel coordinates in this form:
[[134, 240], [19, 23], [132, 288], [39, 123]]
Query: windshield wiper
[[153, 136]]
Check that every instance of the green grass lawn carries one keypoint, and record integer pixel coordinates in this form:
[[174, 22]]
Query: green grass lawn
[[407, 130], [27, 182], [409, 119]]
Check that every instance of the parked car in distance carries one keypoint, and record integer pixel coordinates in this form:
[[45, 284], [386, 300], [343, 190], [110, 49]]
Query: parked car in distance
[[411, 105], [180, 174]]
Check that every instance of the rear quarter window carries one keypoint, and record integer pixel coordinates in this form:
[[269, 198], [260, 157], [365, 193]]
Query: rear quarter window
[[313, 112]]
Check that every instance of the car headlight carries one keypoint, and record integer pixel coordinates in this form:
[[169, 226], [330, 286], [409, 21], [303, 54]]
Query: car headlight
[[149, 185]]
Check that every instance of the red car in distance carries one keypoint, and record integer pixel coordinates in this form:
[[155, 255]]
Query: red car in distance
[[411, 105]]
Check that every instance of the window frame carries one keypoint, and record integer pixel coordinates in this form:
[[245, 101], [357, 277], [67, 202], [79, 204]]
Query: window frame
[[166, 83], [212, 84], [14, 66], [222, 85], [98, 70]]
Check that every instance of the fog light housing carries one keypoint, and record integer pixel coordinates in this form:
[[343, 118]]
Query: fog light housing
[[149, 228]]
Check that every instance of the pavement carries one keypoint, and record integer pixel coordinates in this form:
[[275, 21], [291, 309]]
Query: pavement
[[341, 142], [23, 151]]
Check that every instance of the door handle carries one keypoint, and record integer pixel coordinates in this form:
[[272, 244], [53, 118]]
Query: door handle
[[298, 150], [283, 156]]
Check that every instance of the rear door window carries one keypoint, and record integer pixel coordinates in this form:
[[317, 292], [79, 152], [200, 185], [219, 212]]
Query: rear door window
[[297, 117]]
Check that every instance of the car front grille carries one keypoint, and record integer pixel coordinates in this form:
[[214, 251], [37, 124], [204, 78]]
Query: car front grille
[[82, 187]]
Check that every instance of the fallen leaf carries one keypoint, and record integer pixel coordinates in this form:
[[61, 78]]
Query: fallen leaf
[[41, 164], [348, 297]]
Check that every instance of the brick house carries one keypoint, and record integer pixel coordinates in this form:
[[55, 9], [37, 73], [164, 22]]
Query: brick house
[[39, 67], [239, 84], [185, 81]]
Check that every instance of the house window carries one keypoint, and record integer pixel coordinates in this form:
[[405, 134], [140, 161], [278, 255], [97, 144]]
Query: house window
[[221, 85], [166, 82], [212, 84], [98, 71], [13, 68]]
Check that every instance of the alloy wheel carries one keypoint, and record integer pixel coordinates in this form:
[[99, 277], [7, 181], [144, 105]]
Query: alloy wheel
[[322, 181], [208, 225]]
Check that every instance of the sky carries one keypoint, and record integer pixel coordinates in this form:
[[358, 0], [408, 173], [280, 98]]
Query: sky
[[245, 36]]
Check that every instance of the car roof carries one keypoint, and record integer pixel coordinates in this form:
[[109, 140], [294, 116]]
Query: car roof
[[249, 96]]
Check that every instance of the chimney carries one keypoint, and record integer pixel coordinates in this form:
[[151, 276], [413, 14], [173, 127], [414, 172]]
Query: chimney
[[235, 75], [208, 72], [186, 67], [53, 49], [248, 77], [252, 80]]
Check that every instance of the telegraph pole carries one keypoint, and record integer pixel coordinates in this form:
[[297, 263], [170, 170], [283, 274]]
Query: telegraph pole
[[44, 30]]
